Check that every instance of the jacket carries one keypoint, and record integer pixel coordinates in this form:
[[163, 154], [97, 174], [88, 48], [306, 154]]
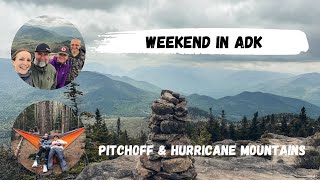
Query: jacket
[[76, 64], [44, 77], [58, 144], [45, 142], [63, 71]]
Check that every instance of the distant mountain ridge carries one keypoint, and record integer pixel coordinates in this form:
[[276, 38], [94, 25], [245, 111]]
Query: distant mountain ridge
[[29, 36], [35, 33], [213, 82], [247, 103], [119, 98], [70, 31], [305, 86], [112, 96], [139, 84]]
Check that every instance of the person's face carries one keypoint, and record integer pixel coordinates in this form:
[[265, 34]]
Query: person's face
[[55, 138], [22, 62], [62, 58], [46, 135], [42, 58], [75, 45]]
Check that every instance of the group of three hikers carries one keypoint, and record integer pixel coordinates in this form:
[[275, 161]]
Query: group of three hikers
[[45, 73]]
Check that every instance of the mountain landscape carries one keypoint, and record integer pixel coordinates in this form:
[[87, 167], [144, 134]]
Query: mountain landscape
[[140, 84], [120, 98], [124, 96], [220, 83], [28, 36], [113, 97], [63, 30], [247, 103], [304, 86], [216, 83], [212, 82]]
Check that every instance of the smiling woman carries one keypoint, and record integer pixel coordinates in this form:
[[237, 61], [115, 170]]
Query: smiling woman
[[21, 61]]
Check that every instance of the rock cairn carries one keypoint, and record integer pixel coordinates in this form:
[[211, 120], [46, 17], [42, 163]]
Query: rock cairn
[[167, 128]]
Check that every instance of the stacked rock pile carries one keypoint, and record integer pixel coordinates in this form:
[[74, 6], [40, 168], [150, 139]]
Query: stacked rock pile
[[167, 128]]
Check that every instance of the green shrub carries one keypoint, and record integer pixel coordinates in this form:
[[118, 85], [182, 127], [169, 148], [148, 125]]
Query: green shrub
[[10, 168], [315, 142], [311, 160]]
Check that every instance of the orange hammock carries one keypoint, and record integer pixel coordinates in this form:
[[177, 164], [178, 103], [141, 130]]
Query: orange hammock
[[34, 139]]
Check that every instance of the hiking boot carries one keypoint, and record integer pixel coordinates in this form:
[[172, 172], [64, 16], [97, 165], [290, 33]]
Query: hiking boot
[[45, 169], [35, 163]]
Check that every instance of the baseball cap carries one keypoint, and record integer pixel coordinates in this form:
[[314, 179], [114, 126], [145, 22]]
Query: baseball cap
[[42, 48], [62, 49]]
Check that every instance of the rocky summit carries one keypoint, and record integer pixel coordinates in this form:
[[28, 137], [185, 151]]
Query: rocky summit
[[237, 167], [167, 128]]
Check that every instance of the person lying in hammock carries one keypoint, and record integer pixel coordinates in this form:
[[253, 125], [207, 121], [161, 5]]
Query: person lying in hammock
[[44, 147], [57, 149]]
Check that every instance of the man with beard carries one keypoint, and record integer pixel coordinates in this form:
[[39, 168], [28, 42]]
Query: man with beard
[[76, 59], [43, 73]]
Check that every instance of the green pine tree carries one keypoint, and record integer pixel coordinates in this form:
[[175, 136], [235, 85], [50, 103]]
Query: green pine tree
[[143, 137], [74, 95], [254, 133], [284, 126], [232, 132], [118, 129], [244, 128], [98, 118], [303, 123], [223, 127], [204, 137]]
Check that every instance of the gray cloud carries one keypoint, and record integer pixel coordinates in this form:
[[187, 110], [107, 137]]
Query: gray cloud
[[49, 21], [92, 4]]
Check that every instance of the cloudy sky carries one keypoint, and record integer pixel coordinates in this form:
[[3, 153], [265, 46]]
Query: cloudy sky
[[100, 17]]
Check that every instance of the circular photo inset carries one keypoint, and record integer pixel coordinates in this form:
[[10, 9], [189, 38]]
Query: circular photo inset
[[48, 138], [48, 52]]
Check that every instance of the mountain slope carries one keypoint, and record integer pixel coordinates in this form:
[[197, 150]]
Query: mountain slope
[[29, 36], [66, 31], [122, 99], [305, 87], [247, 103], [138, 84], [212, 82], [35, 33], [110, 96], [113, 97]]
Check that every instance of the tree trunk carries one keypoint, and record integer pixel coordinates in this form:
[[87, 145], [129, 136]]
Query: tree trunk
[[63, 119]]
